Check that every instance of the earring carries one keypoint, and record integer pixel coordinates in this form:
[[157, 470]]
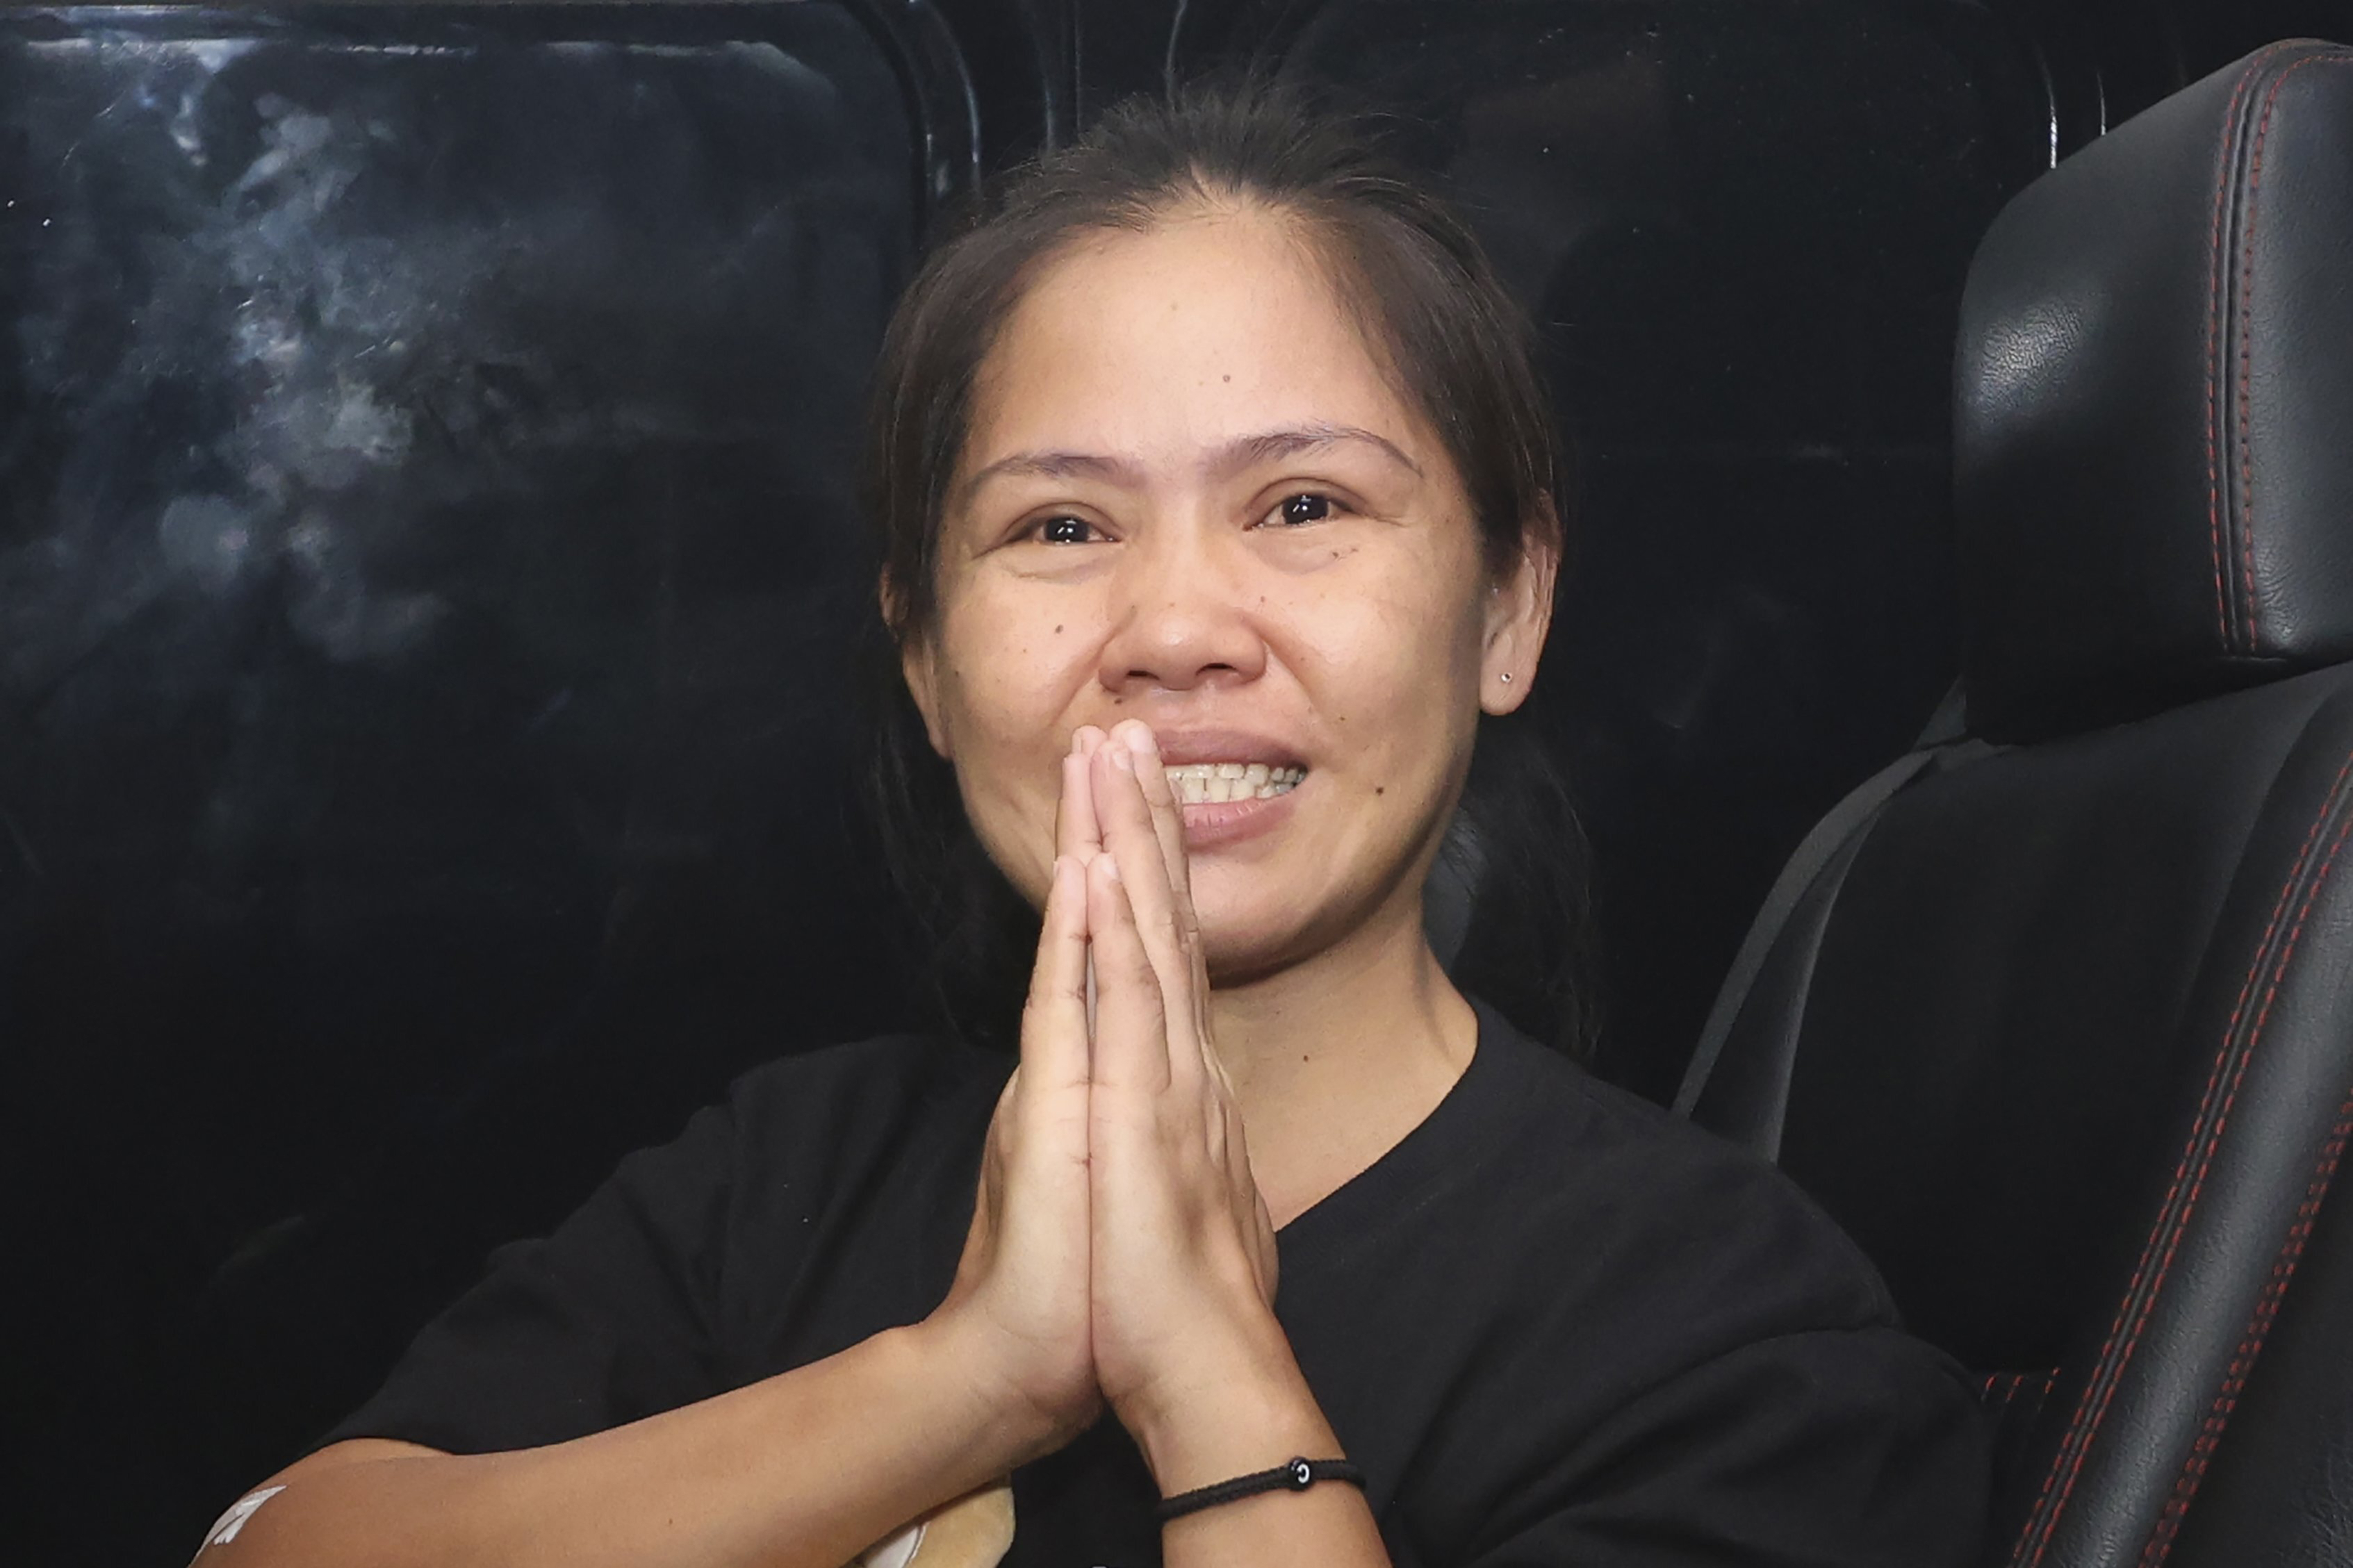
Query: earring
[[1507, 677]]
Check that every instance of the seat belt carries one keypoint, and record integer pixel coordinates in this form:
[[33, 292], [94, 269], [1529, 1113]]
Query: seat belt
[[1811, 878]]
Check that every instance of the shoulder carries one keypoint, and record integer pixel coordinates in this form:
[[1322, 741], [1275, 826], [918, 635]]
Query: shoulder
[[1618, 1320], [774, 1230], [868, 1100], [800, 1132], [887, 1072], [1666, 1211], [831, 1129]]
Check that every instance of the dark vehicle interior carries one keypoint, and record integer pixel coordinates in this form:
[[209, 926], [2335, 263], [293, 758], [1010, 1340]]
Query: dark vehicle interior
[[433, 610]]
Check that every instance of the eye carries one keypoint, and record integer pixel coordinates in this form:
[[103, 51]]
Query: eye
[[1306, 507], [1064, 531]]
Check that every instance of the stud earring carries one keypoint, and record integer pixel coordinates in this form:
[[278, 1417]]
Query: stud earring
[[1507, 677]]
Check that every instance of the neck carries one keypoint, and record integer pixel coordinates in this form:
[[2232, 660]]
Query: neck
[[1335, 1058]]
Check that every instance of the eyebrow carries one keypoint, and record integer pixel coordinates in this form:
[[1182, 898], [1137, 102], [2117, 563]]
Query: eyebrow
[[1233, 458], [1274, 445]]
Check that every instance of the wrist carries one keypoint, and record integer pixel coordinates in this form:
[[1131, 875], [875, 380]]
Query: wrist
[[995, 1424], [1219, 1419]]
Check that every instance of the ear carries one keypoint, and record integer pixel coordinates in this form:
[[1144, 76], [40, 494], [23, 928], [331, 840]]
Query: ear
[[919, 666], [1519, 617]]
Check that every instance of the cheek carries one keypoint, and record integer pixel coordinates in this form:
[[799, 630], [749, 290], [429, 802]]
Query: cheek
[[1006, 691], [1009, 676], [1397, 646]]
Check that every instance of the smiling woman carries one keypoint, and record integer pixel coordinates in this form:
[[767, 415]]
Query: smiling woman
[[1193, 494], [1370, 385], [1217, 500]]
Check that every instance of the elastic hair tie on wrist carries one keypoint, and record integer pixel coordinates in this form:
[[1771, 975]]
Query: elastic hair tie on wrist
[[1297, 1476]]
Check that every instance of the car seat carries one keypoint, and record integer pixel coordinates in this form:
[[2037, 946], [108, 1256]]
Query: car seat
[[2056, 1017]]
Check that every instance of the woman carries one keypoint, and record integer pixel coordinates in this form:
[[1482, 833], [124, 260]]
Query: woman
[[1218, 508]]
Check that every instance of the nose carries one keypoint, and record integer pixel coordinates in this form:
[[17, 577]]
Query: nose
[[1181, 618]]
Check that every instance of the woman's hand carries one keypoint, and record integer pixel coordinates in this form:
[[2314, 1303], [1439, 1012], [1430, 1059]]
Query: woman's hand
[[1183, 1254], [1018, 1308], [1120, 1250]]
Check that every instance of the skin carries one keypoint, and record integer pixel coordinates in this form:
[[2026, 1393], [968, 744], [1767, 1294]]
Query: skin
[[1120, 560], [1370, 641], [1218, 1034]]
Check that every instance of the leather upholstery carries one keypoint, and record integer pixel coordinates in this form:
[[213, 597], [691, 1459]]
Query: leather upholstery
[[2115, 964], [2074, 1041], [2154, 383], [2279, 1493]]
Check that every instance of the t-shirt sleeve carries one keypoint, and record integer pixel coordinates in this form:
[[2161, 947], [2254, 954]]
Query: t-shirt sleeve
[[611, 1318], [1832, 1448]]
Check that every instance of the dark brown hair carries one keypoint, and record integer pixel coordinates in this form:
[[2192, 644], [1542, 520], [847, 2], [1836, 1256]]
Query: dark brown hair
[[1431, 307]]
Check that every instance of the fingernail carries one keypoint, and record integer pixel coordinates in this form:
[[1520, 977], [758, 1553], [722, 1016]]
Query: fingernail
[[1123, 759], [1143, 742]]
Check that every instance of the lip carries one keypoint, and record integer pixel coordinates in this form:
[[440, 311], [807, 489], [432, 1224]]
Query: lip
[[1180, 747], [1214, 824]]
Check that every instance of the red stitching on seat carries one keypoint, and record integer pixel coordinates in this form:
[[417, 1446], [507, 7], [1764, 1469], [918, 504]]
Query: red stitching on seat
[[2247, 340], [2205, 1165], [2099, 1388], [2213, 334], [2251, 1345]]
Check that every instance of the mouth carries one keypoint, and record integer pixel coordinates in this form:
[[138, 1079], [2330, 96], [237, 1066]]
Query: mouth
[[1216, 783]]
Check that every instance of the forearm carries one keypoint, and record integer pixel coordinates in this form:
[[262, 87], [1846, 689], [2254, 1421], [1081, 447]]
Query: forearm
[[1244, 1424], [801, 1470]]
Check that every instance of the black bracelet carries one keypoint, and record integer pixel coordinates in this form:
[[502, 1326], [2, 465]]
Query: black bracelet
[[1297, 1476]]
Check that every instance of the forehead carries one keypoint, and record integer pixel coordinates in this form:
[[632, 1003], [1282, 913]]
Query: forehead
[[1212, 324]]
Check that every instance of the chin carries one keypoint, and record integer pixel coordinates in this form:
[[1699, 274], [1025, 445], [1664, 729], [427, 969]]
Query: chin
[[1243, 944]]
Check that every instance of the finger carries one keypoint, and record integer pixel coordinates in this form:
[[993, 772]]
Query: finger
[[1131, 1041], [989, 1192], [1255, 1219], [997, 1119], [1235, 1149], [1078, 837], [1054, 1017], [1128, 836], [1160, 799], [1076, 833], [1168, 827], [1129, 840], [1267, 1252]]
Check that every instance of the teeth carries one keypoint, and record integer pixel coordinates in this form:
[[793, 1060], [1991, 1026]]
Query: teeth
[[1211, 783]]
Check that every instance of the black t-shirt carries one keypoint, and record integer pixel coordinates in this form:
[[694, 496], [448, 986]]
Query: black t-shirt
[[1553, 1325]]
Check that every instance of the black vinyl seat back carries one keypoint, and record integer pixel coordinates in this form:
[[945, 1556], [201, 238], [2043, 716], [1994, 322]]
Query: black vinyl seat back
[[2074, 1033]]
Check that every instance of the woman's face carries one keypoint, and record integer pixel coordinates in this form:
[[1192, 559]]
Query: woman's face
[[1190, 496]]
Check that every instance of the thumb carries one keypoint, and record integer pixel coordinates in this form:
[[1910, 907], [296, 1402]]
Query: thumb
[[1267, 1255]]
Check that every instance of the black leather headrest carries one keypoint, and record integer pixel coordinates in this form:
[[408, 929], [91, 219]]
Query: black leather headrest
[[2153, 407]]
